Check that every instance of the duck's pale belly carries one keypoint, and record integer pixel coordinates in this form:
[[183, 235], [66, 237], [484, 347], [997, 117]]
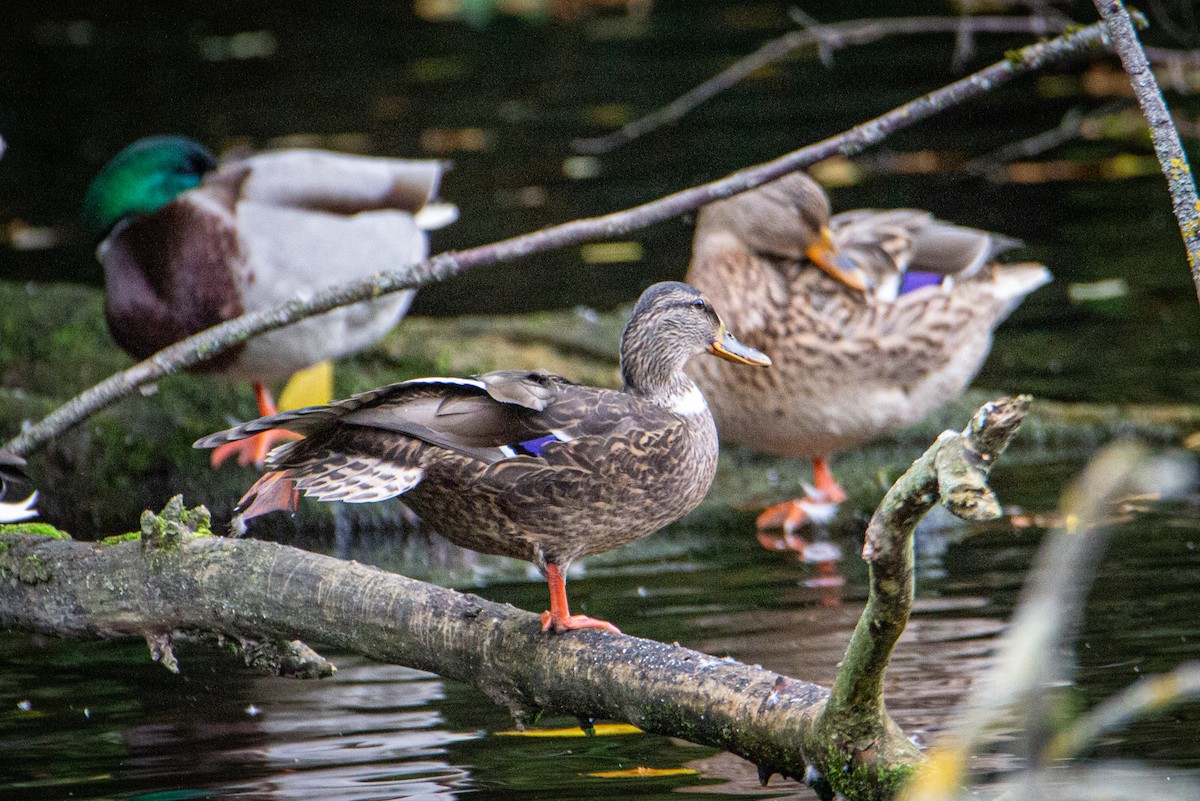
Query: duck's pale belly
[[292, 254], [810, 407]]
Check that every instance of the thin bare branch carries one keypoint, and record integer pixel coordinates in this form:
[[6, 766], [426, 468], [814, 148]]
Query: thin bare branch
[[208, 343], [825, 39], [1167, 146]]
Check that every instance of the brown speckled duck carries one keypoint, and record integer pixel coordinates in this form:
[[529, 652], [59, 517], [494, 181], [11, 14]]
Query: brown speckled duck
[[895, 323], [523, 464]]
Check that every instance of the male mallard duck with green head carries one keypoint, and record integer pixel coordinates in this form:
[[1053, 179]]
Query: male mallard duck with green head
[[873, 319], [523, 464], [187, 243]]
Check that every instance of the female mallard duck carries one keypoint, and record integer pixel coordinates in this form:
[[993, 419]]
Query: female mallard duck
[[523, 464], [187, 244], [12, 479], [896, 322]]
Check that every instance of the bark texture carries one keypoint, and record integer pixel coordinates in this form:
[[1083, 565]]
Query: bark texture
[[854, 723]]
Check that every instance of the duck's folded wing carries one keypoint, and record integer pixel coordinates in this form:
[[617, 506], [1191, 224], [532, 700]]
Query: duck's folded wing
[[491, 417], [337, 183], [948, 249]]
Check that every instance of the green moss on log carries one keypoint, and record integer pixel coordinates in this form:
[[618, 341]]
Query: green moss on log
[[35, 529]]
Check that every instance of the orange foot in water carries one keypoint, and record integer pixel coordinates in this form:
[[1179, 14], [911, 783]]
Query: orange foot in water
[[819, 505], [254, 450]]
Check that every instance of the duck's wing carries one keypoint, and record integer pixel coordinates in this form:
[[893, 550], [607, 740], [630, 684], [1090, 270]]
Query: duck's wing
[[373, 446], [905, 249], [489, 417], [336, 183]]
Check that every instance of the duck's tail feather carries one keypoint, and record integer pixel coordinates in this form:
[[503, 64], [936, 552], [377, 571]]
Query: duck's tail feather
[[273, 492], [1012, 282]]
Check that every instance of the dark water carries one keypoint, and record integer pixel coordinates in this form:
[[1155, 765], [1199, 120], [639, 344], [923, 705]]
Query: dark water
[[103, 722], [81, 79]]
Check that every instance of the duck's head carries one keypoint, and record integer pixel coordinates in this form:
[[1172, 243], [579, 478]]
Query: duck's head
[[787, 218], [141, 179], [671, 323]]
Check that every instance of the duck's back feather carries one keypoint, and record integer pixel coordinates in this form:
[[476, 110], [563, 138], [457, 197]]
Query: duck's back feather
[[334, 183]]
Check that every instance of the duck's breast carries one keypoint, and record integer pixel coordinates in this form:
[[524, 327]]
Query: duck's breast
[[169, 275]]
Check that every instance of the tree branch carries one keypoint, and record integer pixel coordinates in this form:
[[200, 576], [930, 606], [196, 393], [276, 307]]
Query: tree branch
[[826, 39], [954, 470], [1167, 146], [208, 343], [248, 590]]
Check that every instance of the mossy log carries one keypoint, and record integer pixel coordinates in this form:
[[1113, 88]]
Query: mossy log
[[249, 591]]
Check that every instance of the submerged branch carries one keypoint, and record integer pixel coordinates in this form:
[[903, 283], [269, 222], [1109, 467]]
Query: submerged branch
[[206, 344], [1167, 145]]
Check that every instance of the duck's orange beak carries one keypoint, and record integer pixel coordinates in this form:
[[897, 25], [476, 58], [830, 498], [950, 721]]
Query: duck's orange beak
[[825, 254], [727, 347]]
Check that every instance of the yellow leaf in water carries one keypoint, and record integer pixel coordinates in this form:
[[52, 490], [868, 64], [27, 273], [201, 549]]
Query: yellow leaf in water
[[634, 773], [312, 386], [599, 730]]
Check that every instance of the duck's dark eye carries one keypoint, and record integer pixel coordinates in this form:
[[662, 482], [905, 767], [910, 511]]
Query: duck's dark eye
[[699, 303]]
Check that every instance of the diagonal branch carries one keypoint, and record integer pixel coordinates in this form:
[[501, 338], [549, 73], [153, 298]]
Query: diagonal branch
[[204, 345], [1167, 146], [826, 38]]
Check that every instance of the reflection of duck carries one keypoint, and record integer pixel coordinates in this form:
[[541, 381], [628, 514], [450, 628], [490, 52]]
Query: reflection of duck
[[12, 481], [187, 244], [895, 323], [523, 464]]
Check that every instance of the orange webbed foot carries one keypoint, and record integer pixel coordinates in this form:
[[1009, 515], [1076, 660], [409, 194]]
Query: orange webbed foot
[[252, 450], [565, 624]]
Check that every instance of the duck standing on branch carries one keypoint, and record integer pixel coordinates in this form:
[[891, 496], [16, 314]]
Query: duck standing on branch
[[523, 464], [873, 319], [187, 243]]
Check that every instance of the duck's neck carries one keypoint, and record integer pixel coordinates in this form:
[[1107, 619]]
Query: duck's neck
[[656, 373]]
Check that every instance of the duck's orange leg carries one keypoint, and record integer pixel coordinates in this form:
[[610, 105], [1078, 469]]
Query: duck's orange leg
[[826, 483], [254, 449], [559, 619]]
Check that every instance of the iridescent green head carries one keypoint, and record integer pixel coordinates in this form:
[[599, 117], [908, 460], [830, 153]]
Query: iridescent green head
[[141, 179]]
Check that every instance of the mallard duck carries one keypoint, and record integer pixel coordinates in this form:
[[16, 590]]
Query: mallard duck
[[895, 323], [12, 480], [187, 243], [523, 464]]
